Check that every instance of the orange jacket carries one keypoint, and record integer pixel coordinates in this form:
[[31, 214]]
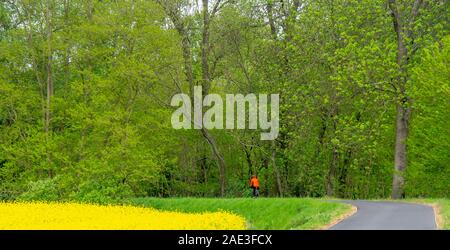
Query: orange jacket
[[254, 182]]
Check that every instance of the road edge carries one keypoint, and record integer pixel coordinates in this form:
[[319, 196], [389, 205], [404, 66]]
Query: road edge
[[342, 217], [438, 220], [437, 216]]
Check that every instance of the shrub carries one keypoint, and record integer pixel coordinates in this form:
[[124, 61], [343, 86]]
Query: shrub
[[103, 191], [41, 190]]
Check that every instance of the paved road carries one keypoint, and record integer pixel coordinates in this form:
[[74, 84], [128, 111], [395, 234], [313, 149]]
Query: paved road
[[374, 215]]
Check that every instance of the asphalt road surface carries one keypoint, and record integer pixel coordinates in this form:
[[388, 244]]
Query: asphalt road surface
[[374, 215]]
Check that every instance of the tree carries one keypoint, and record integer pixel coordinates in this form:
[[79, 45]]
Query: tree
[[174, 13]]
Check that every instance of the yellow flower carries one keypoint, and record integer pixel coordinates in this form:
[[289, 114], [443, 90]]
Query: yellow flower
[[41, 215]]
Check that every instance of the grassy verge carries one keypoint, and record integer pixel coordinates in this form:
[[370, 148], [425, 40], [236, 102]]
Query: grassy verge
[[261, 213]]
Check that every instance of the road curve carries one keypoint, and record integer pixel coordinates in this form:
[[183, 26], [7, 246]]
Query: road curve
[[380, 215]]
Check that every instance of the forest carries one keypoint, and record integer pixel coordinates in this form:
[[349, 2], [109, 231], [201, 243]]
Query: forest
[[86, 88]]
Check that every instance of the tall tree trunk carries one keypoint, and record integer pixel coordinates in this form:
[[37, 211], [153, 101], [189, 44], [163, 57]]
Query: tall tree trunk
[[49, 93], [403, 101], [206, 78], [273, 30], [401, 134], [205, 88], [219, 158], [332, 172], [205, 49], [248, 157], [49, 90], [334, 154]]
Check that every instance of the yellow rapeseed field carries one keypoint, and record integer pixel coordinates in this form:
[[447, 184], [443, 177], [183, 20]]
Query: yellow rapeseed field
[[40, 215]]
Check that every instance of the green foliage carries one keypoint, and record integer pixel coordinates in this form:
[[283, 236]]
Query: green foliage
[[428, 174], [41, 190], [102, 192]]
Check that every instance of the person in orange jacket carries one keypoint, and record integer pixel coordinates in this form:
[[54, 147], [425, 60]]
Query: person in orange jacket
[[254, 184]]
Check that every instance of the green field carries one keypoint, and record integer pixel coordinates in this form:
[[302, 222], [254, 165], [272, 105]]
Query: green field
[[262, 213]]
